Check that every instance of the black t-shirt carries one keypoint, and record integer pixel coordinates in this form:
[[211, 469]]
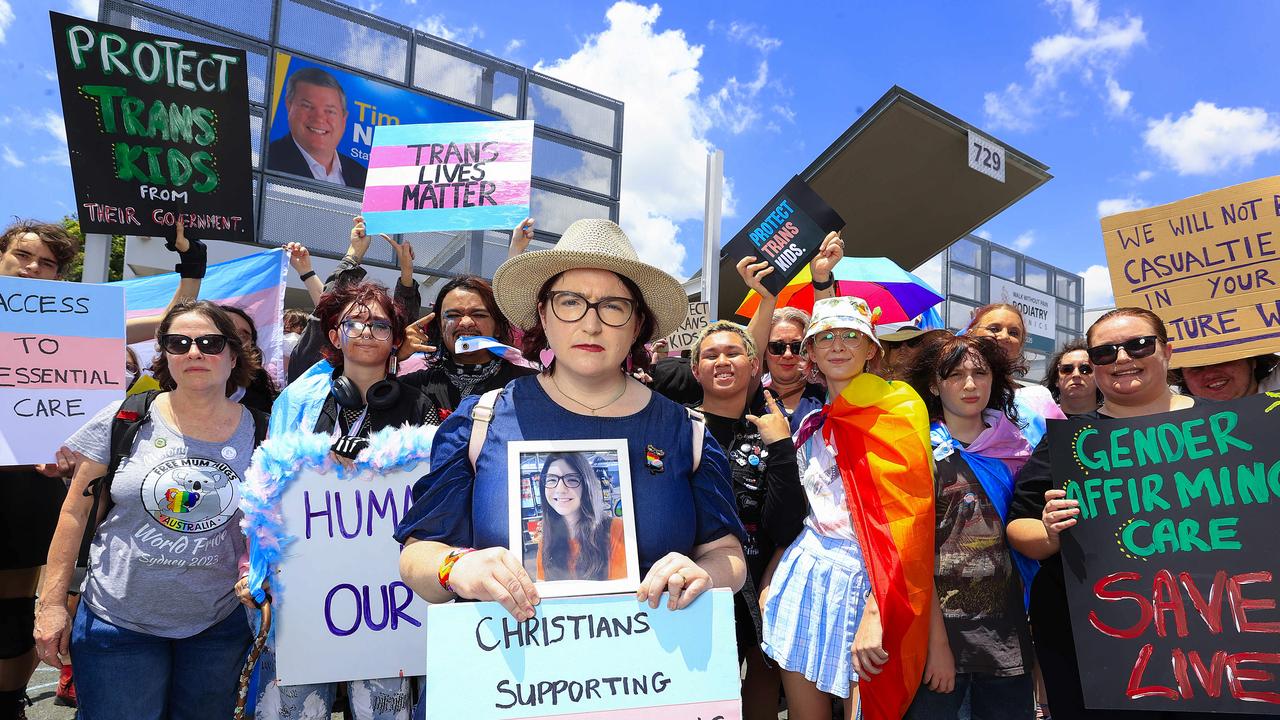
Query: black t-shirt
[[673, 379], [978, 586]]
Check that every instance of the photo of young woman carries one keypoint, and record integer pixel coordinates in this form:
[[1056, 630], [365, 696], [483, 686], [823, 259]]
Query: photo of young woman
[[582, 539]]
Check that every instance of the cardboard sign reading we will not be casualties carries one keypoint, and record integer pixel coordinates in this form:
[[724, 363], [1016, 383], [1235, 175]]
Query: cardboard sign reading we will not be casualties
[[449, 176], [157, 128], [1209, 266], [787, 233], [1171, 570], [61, 361], [606, 657]]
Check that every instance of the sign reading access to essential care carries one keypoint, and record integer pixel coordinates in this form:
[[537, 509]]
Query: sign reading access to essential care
[[694, 322], [449, 176], [1209, 266], [323, 118], [343, 612], [787, 233], [608, 657], [157, 129], [1039, 311], [1170, 570], [61, 361]]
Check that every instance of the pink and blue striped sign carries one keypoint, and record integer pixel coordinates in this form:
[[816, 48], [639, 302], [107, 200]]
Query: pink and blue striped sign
[[448, 176]]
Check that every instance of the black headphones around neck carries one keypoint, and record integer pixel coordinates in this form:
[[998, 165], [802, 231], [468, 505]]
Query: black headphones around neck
[[382, 395]]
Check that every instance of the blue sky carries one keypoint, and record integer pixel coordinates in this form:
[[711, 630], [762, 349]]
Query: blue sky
[[1129, 103]]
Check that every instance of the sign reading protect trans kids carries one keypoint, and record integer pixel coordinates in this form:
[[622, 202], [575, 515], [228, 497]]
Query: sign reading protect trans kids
[[787, 232], [157, 128]]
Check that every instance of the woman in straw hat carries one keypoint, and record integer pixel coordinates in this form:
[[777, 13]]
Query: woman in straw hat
[[594, 305]]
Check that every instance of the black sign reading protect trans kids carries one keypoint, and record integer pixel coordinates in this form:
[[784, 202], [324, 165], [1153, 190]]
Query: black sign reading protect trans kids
[[787, 233], [1171, 570], [157, 128]]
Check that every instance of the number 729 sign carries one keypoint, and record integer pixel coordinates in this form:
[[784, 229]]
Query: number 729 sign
[[986, 156]]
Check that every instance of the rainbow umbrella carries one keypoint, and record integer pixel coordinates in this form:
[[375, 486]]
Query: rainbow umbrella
[[900, 295]]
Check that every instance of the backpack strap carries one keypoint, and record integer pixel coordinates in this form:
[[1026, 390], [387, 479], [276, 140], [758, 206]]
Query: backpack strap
[[481, 415], [699, 435], [133, 412]]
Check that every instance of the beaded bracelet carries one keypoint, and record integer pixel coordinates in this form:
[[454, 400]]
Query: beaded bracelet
[[446, 567]]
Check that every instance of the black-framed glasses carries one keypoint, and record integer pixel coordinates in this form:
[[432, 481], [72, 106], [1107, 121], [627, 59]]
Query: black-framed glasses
[[1067, 369], [378, 329], [824, 340], [780, 347], [1136, 348], [571, 481], [569, 306], [175, 344]]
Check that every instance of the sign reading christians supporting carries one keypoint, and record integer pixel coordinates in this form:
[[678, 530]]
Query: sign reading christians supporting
[[1209, 266], [1171, 569], [61, 361], [157, 127], [449, 176], [787, 232], [606, 657]]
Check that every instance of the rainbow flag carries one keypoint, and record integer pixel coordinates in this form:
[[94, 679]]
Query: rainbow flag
[[881, 431], [254, 283]]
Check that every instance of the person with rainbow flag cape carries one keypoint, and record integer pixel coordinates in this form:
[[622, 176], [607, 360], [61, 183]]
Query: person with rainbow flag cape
[[846, 611]]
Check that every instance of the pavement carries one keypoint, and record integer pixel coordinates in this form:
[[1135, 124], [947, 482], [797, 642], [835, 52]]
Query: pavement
[[40, 689]]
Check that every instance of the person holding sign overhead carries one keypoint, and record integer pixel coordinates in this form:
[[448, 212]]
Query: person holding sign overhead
[[595, 305]]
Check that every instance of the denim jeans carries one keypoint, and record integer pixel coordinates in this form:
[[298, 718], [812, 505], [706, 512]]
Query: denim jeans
[[990, 698], [127, 675]]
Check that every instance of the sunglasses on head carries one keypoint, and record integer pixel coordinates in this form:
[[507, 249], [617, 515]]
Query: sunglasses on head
[[779, 347], [181, 344], [1135, 348], [1067, 369]]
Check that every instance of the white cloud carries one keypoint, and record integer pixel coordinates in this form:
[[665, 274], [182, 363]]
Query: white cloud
[[1144, 175], [513, 45], [1097, 287], [6, 17], [1023, 242], [12, 159], [667, 121], [1084, 13], [984, 234], [55, 157], [435, 25], [734, 105], [84, 8], [753, 35], [1117, 97], [1115, 206], [1210, 139], [50, 122]]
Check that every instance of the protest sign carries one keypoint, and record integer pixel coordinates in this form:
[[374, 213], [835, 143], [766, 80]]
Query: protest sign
[[449, 176], [1170, 572], [1039, 311], [345, 107], [61, 361], [787, 232], [694, 322], [606, 657], [1208, 266], [157, 128], [341, 610]]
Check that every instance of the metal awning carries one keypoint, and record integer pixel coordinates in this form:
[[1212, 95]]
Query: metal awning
[[900, 178]]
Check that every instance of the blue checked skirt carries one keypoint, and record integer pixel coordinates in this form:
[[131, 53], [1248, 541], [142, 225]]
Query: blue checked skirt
[[818, 593]]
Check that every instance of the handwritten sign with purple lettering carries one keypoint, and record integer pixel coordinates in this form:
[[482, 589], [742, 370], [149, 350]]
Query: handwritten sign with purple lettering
[[61, 361], [342, 612], [448, 176]]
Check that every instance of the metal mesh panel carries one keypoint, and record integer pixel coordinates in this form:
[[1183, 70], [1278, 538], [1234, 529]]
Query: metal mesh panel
[[572, 166], [255, 136], [495, 250], [554, 211], [571, 114], [327, 34], [446, 251], [250, 17], [445, 71], [131, 16], [321, 222]]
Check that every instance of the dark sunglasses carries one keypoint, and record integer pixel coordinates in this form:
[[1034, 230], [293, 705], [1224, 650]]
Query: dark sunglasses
[[779, 347], [1135, 348], [181, 344], [1084, 368]]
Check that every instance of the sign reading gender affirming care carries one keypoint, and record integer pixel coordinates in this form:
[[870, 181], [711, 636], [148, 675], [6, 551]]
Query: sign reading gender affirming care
[[606, 657], [61, 361], [449, 176]]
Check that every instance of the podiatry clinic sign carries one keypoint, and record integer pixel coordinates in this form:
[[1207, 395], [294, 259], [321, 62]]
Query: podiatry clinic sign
[[1171, 570], [1209, 266], [157, 128]]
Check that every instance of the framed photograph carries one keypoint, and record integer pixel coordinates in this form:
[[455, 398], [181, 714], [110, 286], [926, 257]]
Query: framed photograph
[[571, 517]]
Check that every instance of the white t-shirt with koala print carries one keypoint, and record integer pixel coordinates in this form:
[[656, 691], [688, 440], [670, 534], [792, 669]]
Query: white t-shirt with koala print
[[165, 558]]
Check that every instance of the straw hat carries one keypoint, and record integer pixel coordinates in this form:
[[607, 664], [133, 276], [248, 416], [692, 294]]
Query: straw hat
[[598, 244], [900, 331], [843, 312]]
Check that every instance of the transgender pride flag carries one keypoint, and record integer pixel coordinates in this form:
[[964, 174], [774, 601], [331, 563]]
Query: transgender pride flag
[[448, 176], [254, 283]]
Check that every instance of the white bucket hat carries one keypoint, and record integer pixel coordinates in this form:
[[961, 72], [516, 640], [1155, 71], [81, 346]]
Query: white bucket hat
[[597, 244], [842, 312]]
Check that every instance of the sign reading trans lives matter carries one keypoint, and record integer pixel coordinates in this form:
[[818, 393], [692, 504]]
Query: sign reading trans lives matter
[[1209, 266], [787, 233], [1171, 569], [449, 176], [606, 657], [61, 361]]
